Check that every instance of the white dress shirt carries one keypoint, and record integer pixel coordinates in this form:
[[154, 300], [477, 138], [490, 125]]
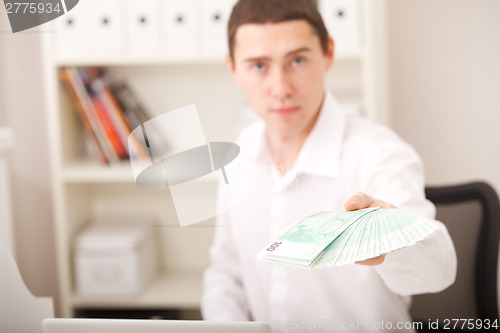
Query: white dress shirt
[[343, 154]]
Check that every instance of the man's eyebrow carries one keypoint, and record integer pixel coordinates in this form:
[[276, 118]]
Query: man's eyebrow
[[301, 49], [265, 58], [257, 59]]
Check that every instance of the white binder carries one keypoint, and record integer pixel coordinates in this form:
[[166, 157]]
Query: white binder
[[106, 25], [214, 18], [181, 19], [72, 31], [341, 18], [143, 28]]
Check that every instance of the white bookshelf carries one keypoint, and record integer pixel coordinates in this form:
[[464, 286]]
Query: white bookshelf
[[90, 171], [84, 190], [174, 290], [6, 223], [158, 60]]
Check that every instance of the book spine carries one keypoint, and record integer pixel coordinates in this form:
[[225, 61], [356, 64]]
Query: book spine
[[134, 115], [127, 138], [116, 129], [109, 128], [132, 108], [66, 79], [91, 113], [137, 115]]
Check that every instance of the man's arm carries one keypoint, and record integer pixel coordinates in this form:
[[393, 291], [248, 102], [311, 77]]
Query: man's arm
[[428, 266]]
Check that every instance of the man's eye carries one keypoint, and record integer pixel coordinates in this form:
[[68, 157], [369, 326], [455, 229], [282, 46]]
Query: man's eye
[[259, 67], [297, 61]]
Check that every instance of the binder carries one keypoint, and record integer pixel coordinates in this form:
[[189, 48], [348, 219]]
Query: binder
[[143, 30], [106, 25], [341, 18], [214, 18], [71, 31], [181, 19]]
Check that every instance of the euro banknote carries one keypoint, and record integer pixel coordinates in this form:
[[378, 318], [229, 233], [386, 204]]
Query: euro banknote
[[337, 238]]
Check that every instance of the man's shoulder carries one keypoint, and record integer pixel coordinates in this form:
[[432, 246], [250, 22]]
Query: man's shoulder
[[364, 132]]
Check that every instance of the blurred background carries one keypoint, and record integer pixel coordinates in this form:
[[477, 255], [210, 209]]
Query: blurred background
[[428, 69]]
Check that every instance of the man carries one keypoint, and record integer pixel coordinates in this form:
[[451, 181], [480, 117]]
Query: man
[[304, 155]]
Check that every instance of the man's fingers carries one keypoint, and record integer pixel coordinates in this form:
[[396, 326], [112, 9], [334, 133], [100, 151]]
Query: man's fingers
[[372, 261], [361, 200]]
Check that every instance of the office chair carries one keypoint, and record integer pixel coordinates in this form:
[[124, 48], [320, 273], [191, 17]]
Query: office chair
[[471, 212]]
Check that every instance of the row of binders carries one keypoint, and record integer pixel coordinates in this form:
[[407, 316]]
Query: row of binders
[[109, 112], [144, 28], [174, 28]]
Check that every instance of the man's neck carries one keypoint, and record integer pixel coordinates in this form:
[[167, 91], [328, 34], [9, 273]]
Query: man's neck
[[286, 149]]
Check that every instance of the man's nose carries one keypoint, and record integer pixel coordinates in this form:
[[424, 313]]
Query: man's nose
[[280, 84]]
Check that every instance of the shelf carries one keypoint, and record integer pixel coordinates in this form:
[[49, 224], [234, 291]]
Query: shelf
[[156, 60], [84, 172], [132, 60], [95, 172], [171, 290]]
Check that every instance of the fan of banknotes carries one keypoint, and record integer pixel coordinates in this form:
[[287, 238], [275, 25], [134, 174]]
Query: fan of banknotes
[[327, 239]]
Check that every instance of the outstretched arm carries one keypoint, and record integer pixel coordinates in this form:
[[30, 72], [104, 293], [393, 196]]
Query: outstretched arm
[[428, 266]]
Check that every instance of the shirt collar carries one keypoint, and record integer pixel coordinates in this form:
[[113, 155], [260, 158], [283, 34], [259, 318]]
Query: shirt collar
[[320, 152]]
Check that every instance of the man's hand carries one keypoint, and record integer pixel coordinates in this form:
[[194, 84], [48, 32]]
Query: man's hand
[[359, 201]]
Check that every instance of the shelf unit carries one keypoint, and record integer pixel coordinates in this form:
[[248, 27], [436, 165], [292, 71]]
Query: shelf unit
[[174, 290], [84, 190], [6, 223]]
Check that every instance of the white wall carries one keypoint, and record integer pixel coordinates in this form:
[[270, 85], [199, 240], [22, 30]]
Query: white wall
[[4, 28], [445, 65], [22, 106], [445, 79]]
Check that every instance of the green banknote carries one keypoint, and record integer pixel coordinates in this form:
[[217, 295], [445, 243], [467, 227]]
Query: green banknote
[[327, 239]]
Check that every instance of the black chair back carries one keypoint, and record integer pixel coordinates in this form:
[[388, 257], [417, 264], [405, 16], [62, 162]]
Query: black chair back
[[471, 212]]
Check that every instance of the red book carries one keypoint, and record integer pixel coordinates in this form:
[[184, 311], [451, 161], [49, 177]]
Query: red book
[[67, 79], [109, 128]]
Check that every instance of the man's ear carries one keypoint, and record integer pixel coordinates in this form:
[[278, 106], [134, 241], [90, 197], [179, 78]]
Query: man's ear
[[230, 63], [330, 53]]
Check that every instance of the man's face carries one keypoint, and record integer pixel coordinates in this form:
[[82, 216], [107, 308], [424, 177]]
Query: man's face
[[281, 68]]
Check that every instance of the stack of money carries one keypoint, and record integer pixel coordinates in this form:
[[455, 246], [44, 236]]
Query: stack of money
[[327, 239]]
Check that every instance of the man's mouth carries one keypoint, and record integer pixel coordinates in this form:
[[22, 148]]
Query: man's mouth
[[285, 110]]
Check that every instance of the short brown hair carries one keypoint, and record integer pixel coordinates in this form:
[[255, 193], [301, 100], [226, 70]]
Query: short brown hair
[[275, 11]]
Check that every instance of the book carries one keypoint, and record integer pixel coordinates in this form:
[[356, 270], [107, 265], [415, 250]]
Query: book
[[123, 124], [85, 108], [109, 116], [106, 122], [132, 109], [138, 116]]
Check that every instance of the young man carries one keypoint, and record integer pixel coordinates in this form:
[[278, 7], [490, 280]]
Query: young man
[[306, 154]]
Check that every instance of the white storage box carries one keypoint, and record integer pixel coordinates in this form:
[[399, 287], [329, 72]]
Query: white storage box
[[114, 259]]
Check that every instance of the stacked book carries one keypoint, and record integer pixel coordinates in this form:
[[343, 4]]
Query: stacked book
[[109, 112]]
